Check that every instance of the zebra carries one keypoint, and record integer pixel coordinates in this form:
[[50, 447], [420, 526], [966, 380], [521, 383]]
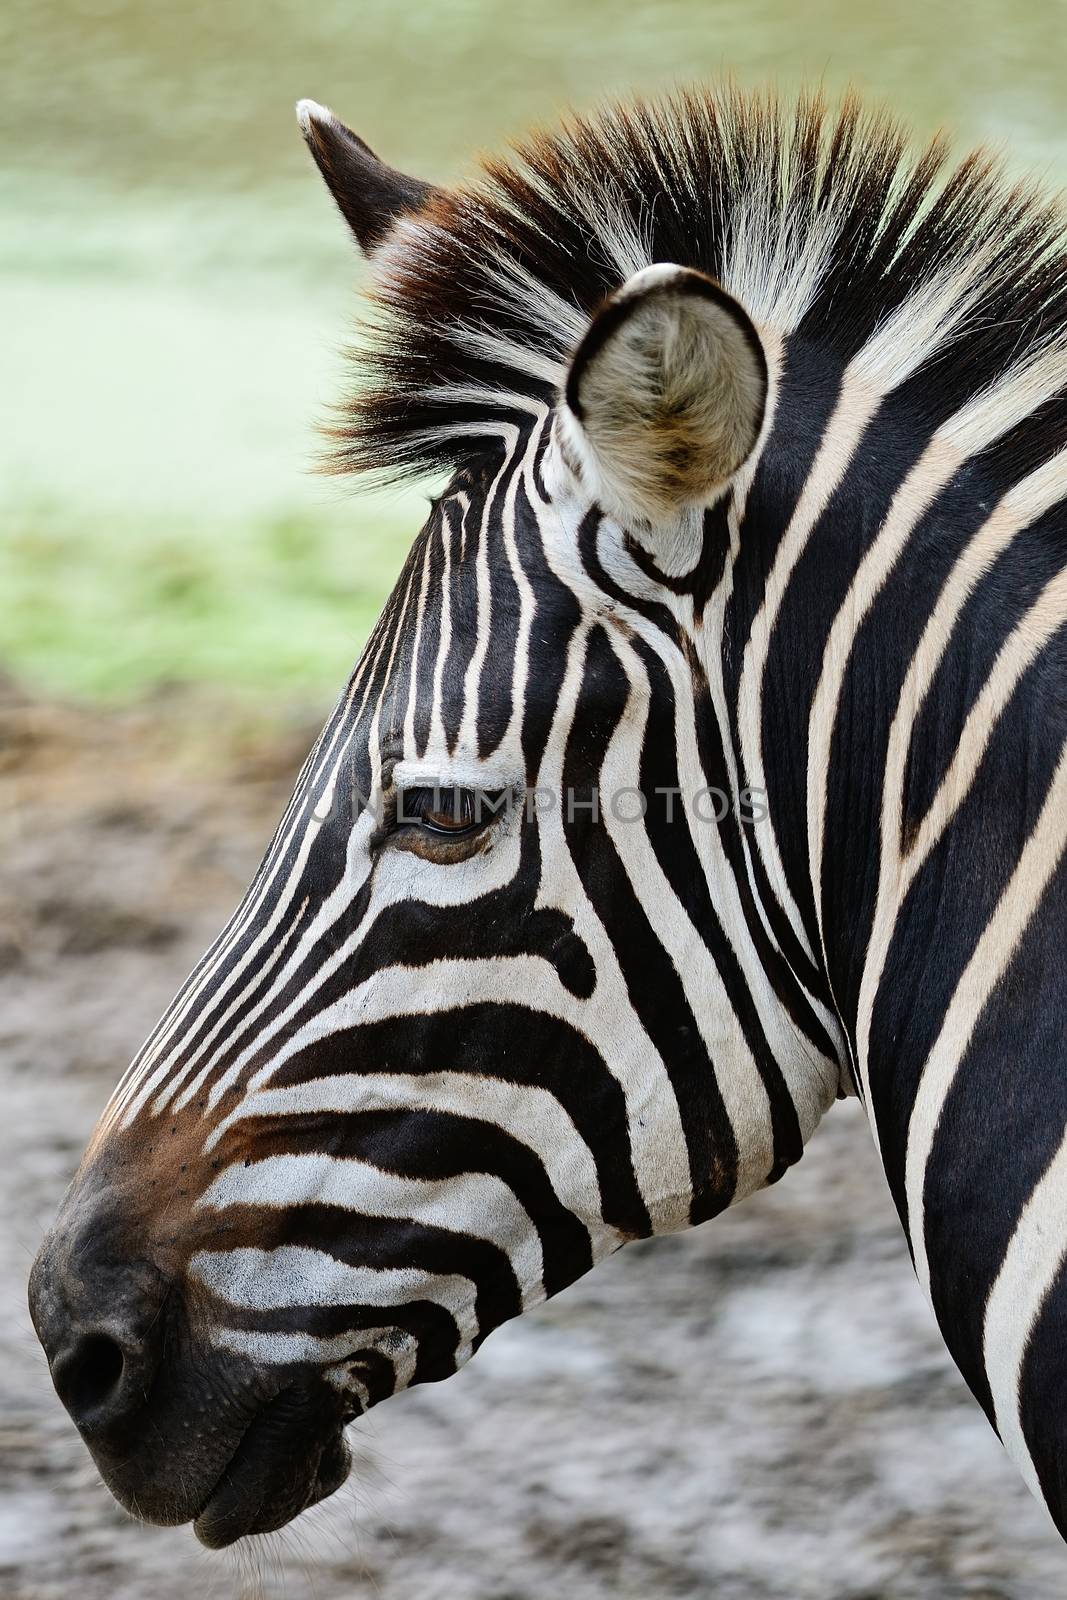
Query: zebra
[[705, 766]]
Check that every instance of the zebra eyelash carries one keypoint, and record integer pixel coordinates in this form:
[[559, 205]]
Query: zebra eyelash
[[435, 817]]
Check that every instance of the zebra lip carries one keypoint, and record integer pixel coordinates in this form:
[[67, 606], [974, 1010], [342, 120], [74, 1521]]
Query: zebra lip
[[291, 1456]]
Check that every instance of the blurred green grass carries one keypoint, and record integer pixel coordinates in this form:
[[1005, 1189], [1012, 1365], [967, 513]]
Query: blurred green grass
[[113, 608], [175, 285]]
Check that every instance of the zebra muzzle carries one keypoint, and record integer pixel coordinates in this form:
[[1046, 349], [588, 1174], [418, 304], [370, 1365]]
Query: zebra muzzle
[[181, 1429]]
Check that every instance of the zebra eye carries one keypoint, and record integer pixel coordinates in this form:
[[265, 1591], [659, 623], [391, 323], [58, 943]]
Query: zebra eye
[[442, 811]]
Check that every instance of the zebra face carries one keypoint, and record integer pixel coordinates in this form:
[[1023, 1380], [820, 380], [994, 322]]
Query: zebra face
[[456, 1044]]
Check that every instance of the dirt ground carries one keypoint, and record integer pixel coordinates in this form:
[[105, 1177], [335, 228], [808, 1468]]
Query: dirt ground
[[758, 1409]]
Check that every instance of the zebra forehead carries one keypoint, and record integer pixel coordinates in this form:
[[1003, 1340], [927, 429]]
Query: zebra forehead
[[822, 220]]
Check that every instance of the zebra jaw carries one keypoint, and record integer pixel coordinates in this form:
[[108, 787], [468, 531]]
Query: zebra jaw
[[288, 1460]]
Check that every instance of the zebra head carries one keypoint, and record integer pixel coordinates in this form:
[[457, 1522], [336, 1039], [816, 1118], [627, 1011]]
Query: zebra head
[[562, 939]]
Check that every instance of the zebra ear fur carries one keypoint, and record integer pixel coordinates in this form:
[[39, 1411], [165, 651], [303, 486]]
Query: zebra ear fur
[[666, 394], [369, 194]]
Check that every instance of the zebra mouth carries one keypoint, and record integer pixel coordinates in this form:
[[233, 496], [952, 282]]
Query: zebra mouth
[[289, 1458]]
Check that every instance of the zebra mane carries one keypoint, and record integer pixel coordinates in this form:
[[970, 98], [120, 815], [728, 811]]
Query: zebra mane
[[823, 221]]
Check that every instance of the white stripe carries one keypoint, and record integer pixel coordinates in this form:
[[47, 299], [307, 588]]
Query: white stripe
[[285, 1349], [483, 591], [475, 1203], [291, 1276], [1031, 1265], [978, 983]]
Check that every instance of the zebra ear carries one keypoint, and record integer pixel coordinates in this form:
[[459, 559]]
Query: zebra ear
[[666, 394], [370, 195]]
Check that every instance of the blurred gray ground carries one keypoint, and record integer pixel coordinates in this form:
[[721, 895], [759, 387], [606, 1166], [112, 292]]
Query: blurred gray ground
[[757, 1409]]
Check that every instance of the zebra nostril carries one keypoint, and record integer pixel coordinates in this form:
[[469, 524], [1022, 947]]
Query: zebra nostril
[[91, 1375]]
